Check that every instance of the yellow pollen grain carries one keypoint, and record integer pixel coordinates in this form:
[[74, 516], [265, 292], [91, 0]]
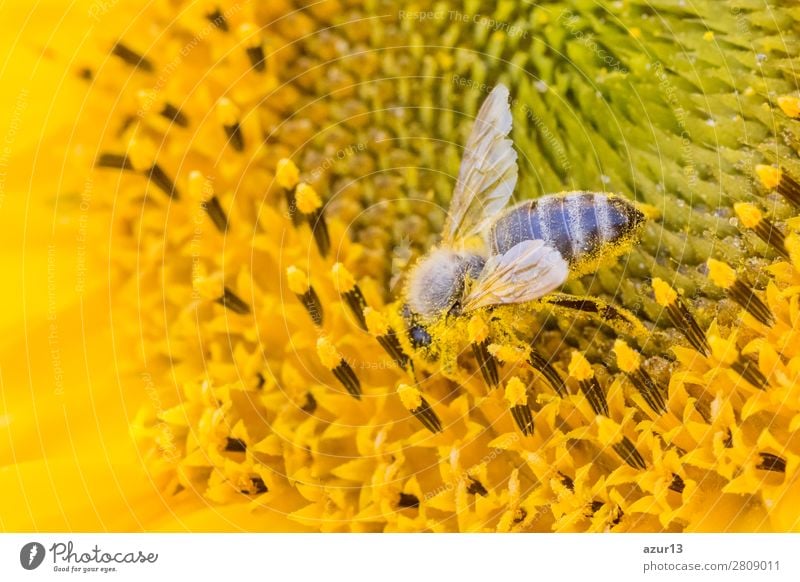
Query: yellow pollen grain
[[376, 322], [477, 330], [748, 214], [199, 187], [708, 36], [579, 367], [307, 198], [769, 176], [328, 354], [286, 174], [665, 295], [635, 32], [342, 278], [628, 359], [409, 396], [227, 112], [721, 274], [790, 105], [298, 281], [516, 394]]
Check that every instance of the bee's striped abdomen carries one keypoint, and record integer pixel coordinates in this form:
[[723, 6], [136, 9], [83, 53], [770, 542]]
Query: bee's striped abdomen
[[580, 225]]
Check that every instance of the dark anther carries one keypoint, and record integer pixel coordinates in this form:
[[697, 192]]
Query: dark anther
[[131, 57], [231, 301], [770, 462], [475, 487], [233, 445], [175, 115], [407, 500]]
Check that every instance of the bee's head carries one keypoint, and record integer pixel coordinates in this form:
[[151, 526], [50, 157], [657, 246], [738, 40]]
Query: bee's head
[[436, 284]]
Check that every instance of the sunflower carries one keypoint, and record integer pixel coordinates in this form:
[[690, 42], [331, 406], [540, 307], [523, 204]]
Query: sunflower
[[242, 189]]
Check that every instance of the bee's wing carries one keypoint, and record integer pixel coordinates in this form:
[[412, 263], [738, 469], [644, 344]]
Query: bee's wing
[[488, 172], [524, 273]]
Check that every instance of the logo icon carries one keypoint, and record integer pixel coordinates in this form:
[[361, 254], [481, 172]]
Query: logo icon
[[31, 555]]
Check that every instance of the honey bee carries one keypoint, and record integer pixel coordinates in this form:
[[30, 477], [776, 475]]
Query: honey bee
[[491, 256]]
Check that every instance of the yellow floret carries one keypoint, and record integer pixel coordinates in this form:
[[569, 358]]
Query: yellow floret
[[307, 198], [628, 359], [790, 105], [769, 176], [665, 295], [409, 396], [477, 329], [748, 214], [516, 394], [328, 354], [721, 274], [376, 322], [342, 278], [287, 174], [298, 281], [579, 367]]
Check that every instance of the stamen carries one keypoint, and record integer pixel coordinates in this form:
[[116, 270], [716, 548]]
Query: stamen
[[516, 394], [310, 404], [233, 445], [287, 175], [416, 404], [201, 190], [131, 57], [747, 368], [253, 47], [581, 370], [630, 362], [541, 365], [752, 218], [629, 454], [724, 276], [475, 487], [114, 161], [770, 462], [386, 336], [408, 501], [677, 484], [725, 351], [778, 179], [175, 115], [228, 115], [231, 301], [333, 360], [310, 205], [217, 18], [350, 292], [479, 338], [259, 485], [680, 316], [212, 288], [159, 177], [300, 286]]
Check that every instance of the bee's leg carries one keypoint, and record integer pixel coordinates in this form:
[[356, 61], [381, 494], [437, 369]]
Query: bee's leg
[[619, 319]]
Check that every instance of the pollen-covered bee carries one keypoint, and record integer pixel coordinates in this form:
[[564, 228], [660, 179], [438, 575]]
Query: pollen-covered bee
[[490, 255]]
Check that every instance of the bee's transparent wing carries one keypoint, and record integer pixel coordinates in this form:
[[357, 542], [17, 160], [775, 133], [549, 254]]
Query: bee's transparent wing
[[488, 172], [524, 273]]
